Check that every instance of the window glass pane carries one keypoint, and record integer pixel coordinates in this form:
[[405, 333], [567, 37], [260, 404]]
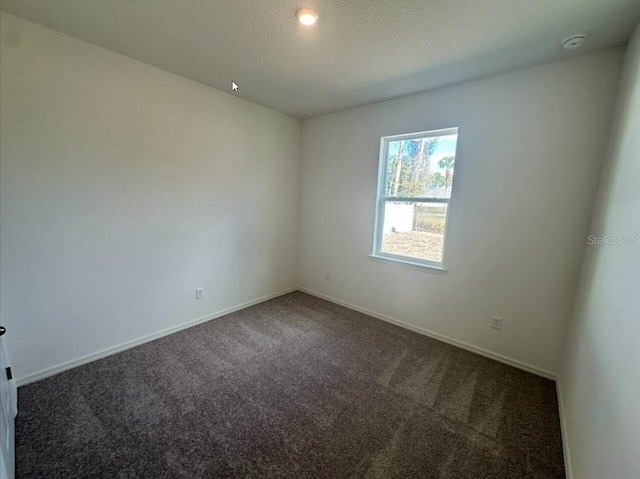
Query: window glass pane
[[420, 167], [414, 229]]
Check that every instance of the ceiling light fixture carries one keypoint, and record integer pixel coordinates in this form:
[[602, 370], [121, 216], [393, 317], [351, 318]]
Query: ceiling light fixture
[[306, 16], [574, 41]]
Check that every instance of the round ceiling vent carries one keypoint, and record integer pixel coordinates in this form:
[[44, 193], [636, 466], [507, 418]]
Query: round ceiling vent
[[574, 41]]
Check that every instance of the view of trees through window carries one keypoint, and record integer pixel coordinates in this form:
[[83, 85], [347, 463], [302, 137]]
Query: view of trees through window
[[415, 195]]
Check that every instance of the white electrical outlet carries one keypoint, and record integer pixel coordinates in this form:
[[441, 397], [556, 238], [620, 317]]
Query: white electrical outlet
[[199, 293], [327, 276], [496, 322]]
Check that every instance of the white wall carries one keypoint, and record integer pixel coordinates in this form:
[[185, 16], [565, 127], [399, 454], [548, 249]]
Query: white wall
[[530, 149], [600, 380], [125, 188]]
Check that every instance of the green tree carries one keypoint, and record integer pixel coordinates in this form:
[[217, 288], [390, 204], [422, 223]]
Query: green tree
[[436, 180], [447, 163], [420, 183], [408, 170], [398, 171]]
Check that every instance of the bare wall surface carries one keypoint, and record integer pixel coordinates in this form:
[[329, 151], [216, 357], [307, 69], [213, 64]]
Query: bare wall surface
[[530, 149], [125, 188], [600, 379]]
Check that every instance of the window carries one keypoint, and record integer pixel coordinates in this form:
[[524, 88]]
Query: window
[[414, 188]]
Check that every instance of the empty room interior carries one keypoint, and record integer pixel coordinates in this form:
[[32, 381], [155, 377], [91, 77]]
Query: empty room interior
[[325, 239]]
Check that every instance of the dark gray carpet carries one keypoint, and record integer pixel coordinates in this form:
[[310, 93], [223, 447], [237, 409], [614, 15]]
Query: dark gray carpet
[[296, 387]]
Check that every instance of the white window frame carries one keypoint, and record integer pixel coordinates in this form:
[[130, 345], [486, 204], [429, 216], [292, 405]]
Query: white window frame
[[381, 199]]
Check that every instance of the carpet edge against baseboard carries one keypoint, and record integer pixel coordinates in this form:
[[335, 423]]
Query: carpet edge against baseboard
[[441, 337], [103, 353], [566, 452], [52, 370]]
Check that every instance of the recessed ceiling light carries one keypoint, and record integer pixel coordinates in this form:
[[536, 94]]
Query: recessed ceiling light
[[306, 16], [574, 41]]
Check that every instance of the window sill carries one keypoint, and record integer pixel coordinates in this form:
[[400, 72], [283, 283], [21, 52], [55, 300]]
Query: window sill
[[408, 264]]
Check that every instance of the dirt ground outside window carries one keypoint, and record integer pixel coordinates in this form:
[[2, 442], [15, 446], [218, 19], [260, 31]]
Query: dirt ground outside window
[[416, 244]]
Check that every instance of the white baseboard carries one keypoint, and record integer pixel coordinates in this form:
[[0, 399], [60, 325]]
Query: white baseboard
[[58, 368], [565, 433], [50, 371], [446, 339]]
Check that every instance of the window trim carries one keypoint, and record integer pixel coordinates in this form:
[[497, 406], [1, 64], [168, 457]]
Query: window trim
[[381, 199]]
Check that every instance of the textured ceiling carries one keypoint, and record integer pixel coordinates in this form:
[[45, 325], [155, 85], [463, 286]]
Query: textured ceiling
[[361, 51]]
